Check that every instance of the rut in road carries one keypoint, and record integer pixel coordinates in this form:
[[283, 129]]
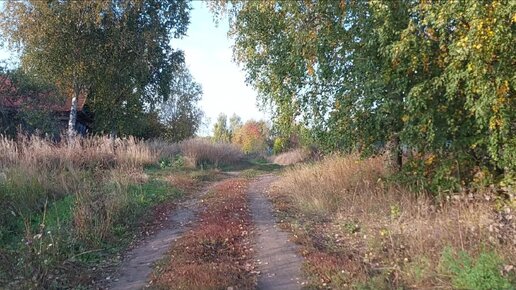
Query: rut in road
[[277, 258], [137, 266]]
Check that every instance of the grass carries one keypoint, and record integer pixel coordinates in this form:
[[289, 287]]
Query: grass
[[216, 253], [202, 152], [291, 157], [359, 229], [66, 207]]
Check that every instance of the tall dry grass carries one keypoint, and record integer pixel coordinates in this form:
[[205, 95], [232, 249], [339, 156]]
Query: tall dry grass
[[291, 157], [199, 151], [75, 192], [164, 149], [327, 186], [95, 170], [82, 153], [375, 226]]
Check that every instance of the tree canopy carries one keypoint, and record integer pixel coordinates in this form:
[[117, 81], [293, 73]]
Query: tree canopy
[[432, 78], [117, 52]]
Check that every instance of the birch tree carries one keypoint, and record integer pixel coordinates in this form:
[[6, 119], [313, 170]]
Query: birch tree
[[436, 77], [118, 49]]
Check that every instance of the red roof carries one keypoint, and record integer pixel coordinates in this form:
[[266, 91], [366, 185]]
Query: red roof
[[10, 98]]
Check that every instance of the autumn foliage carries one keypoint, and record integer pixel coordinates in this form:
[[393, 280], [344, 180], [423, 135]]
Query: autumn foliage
[[252, 137]]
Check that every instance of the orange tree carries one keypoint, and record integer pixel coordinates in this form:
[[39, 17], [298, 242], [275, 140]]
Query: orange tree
[[252, 137]]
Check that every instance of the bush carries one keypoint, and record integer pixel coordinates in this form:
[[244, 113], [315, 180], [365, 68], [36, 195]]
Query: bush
[[483, 272], [278, 146]]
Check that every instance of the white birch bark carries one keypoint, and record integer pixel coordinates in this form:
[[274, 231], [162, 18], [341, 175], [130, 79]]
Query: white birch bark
[[73, 114]]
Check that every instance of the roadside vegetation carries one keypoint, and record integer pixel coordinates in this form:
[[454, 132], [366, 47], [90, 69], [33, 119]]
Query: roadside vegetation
[[67, 209], [395, 121], [411, 103], [360, 229]]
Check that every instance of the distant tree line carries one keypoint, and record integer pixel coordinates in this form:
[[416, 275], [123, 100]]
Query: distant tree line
[[251, 136]]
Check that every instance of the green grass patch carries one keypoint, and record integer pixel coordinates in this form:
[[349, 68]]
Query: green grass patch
[[41, 233], [153, 192], [481, 272], [260, 165]]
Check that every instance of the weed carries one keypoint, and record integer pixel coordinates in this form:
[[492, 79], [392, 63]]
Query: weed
[[482, 272], [64, 206], [351, 227], [202, 152]]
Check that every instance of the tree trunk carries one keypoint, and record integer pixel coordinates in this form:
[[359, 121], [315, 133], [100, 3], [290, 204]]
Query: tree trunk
[[73, 114], [396, 153]]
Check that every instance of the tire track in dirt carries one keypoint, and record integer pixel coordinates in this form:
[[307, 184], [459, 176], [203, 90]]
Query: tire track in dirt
[[136, 268], [276, 257]]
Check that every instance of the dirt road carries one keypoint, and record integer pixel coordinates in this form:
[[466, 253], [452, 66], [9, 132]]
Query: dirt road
[[276, 256], [137, 266]]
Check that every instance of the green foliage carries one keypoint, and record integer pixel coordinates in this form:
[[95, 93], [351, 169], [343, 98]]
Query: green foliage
[[36, 97], [117, 52], [178, 162], [221, 132], [482, 272], [351, 227], [278, 146], [180, 114], [432, 77]]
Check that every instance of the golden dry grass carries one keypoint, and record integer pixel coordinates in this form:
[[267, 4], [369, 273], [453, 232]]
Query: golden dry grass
[[291, 157], [198, 151], [357, 226]]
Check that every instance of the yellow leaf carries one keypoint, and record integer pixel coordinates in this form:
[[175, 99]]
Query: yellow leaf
[[430, 159]]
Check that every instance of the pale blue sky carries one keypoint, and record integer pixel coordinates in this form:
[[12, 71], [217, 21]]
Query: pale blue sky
[[209, 57]]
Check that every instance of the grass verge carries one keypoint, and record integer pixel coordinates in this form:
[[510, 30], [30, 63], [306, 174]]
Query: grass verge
[[359, 230]]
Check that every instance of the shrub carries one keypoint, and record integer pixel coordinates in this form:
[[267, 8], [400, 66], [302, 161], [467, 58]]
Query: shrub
[[278, 146]]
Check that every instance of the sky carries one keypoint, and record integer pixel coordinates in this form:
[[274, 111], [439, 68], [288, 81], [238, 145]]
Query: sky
[[208, 55]]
